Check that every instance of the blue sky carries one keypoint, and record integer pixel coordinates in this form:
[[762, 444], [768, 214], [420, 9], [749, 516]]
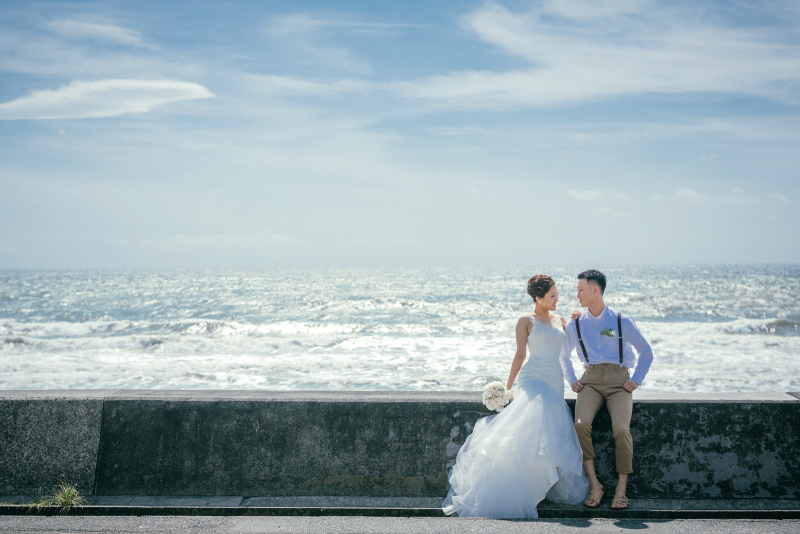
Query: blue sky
[[280, 134]]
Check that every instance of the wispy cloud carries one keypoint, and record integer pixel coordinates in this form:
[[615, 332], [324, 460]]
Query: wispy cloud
[[101, 98], [602, 210], [459, 130], [307, 38], [103, 32], [593, 9], [638, 49], [288, 85], [301, 23], [690, 195], [586, 194], [738, 196]]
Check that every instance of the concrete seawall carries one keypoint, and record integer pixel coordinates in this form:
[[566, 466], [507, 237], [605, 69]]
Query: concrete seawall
[[382, 444]]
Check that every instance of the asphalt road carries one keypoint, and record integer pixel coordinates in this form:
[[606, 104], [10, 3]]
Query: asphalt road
[[363, 525]]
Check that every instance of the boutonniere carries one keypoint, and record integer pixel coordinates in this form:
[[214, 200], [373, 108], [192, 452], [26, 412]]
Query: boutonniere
[[608, 333]]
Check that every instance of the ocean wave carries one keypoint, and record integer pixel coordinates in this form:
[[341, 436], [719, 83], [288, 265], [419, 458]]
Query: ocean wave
[[448, 328], [152, 343], [770, 327]]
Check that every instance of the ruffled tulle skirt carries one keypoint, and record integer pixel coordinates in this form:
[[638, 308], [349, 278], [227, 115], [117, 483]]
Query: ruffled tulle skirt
[[517, 458]]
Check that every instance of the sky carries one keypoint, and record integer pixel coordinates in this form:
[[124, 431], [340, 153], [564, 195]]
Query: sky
[[434, 133]]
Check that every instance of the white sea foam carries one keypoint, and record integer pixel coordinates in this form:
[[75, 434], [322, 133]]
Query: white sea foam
[[712, 329]]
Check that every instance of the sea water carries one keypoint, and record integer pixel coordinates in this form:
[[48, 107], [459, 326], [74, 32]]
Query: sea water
[[712, 328]]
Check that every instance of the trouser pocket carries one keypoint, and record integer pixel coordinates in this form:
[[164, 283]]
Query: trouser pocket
[[622, 375]]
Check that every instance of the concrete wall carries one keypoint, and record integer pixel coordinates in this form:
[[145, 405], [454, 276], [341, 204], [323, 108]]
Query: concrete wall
[[367, 443], [49, 436]]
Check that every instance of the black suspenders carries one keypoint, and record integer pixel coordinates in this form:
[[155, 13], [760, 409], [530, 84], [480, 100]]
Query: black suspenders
[[578, 329], [619, 332], [583, 347]]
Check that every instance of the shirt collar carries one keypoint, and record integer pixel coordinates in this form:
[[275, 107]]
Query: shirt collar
[[599, 317]]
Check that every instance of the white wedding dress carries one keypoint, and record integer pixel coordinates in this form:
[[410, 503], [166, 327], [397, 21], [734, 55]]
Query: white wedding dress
[[527, 452]]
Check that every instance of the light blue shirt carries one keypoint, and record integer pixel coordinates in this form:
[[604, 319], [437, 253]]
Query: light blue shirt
[[605, 349]]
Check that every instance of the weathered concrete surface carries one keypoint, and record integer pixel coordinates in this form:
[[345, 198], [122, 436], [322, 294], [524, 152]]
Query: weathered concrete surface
[[345, 502], [709, 448], [401, 444], [378, 444], [47, 437], [374, 444]]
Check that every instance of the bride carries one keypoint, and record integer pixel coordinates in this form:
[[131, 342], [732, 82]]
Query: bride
[[529, 451]]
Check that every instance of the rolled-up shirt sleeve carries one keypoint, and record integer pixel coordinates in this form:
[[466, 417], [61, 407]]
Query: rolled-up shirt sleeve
[[632, 335], [566, 353]]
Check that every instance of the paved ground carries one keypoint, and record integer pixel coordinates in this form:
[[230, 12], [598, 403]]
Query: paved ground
[[364, 525], [433, 503]]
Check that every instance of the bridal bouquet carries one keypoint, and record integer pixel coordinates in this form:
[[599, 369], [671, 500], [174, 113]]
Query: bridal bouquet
[[496, 396]]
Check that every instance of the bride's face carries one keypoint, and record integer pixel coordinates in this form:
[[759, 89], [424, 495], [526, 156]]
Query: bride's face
[[550, 301]]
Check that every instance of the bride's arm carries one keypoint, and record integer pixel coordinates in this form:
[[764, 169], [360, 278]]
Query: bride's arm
[[523, 326]]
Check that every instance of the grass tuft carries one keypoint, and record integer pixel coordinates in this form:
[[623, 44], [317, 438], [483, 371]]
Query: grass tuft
[[66, 496]]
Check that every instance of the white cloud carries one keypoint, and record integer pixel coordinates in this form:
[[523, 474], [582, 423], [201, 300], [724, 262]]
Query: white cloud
[[587, 194], [633, 52], [591, 9], [301, 23], [602, 210], [103, 32], [287, 85], [690, 195], [458, 130], [101, 98], [303, 36], [737, 196], [780, 198]]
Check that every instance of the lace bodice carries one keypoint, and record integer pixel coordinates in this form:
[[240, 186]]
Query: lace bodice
[[544, 347]]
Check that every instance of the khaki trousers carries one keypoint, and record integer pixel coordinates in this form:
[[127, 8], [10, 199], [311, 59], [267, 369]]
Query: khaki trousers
[[603, 383]]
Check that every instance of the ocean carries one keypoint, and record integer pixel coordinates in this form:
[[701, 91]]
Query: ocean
[[712, 327]]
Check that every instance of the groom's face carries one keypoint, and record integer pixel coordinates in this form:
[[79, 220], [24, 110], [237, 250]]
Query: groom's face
[[587, 293]]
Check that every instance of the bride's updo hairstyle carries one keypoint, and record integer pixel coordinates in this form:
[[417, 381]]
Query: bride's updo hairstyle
[[539, 285]]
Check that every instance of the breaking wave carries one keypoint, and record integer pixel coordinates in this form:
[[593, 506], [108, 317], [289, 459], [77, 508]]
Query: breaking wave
[[376, 329]]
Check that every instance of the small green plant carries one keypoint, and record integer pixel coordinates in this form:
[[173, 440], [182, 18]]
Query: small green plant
[[66, 496]]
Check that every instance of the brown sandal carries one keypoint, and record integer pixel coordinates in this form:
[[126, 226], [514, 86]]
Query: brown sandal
[[595, 495], [619, 499]]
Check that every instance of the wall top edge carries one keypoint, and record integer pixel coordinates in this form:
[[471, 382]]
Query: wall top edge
[[56, 394], [362, 396]]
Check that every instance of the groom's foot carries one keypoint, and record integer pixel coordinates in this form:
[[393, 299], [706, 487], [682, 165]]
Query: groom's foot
[[595, 494], [620, 501]]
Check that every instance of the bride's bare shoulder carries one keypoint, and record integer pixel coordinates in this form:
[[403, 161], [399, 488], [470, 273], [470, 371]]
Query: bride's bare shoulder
[[525, 323]]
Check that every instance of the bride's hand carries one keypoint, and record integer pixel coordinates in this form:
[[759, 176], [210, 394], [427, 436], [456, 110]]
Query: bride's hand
[[576, 314]]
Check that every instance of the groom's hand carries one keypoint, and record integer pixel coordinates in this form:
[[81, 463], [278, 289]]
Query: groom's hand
[[628, 386], [577, 386]]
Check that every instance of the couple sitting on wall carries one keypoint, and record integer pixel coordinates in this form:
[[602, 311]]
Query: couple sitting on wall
[[532, 450]]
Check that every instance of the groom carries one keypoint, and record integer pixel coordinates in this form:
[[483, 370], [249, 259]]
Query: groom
[[605, 341]]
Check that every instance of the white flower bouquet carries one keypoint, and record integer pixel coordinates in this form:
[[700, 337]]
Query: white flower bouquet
[[496, 396]]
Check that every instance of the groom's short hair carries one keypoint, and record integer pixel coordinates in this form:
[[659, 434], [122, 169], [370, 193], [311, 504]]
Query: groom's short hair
[[595, 276]]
